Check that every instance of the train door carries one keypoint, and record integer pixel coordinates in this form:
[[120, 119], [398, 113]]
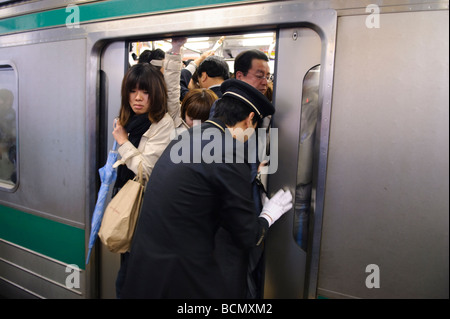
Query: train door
[[112, 69], [297, 109], [385, 226]]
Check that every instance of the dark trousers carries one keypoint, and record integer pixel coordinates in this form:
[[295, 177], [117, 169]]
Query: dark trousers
[[120, 281]]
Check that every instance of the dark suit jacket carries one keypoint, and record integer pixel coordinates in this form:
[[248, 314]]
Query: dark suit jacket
[[172, 255]]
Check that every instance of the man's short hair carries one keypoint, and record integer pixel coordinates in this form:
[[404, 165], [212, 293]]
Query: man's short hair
[[243, 61], [214, 66], [231, 111]]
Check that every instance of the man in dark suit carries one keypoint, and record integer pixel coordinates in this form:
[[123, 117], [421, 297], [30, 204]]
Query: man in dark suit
[[211, 73]]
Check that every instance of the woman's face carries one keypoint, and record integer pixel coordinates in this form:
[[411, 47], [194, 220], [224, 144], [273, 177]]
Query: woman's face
[[139, 101], [189, 120]]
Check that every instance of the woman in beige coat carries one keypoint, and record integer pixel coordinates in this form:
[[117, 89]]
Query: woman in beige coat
[[142, 131]]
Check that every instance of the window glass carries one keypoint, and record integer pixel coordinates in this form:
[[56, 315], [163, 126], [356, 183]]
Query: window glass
[[8, 127], [226, 46], [308, 121]]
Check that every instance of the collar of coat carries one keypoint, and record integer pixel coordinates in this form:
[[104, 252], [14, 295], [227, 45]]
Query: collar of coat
[[218, 123]]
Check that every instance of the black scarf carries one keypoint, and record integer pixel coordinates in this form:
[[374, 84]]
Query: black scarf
[[136, 127]]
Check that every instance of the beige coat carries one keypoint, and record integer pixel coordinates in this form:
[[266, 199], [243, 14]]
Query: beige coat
[[172, 73], [158, 136], [152, 144]]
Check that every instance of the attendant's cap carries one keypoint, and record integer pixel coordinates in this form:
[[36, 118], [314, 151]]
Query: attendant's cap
[[243, 91]]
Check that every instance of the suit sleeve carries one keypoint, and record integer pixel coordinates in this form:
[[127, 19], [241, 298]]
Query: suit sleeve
[[237, 212], [185, 78]]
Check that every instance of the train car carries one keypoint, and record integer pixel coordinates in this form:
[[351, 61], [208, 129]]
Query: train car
[[361, 126]]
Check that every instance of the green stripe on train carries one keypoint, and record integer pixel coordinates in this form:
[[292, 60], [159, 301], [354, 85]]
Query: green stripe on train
[[99, 11], [58, 241]]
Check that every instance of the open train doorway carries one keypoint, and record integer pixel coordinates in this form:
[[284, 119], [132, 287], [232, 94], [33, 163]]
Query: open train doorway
[[294, 57], [118, 56]]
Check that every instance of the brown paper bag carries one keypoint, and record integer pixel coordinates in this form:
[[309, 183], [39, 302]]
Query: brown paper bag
[[121, 214]]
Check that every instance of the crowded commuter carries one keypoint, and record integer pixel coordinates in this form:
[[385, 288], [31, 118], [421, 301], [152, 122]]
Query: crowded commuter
[[187, 82], [196, 106], [142, 130], [196, 103], [211, 73], [252, 67]]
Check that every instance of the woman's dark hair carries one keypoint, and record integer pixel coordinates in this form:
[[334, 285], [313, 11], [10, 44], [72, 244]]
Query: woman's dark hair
[[197, 104], [231, 111], [144, 76], [149, 55]]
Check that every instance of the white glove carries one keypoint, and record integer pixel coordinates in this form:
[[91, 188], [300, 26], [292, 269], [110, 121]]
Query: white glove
[[274, 208]]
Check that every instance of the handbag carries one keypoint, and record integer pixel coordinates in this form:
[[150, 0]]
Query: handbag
[[121, 215]]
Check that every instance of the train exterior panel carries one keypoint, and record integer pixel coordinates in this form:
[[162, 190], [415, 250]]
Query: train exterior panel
[[387, 195], [361, 93]]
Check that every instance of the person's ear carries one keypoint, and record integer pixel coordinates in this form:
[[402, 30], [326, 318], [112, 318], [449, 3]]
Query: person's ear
[[249, 121], [203, 77], [239, 75]]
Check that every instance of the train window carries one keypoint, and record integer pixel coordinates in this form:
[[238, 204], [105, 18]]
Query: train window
[[8, 127], [308, 121]]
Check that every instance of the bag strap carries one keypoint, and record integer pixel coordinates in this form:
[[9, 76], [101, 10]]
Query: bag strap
[[141, 177]]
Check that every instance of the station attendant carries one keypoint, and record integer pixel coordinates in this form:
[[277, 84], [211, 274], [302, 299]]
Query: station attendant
[[172, 255]]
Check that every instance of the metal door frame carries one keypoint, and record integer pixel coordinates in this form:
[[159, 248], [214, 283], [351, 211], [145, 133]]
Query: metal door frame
[[286, 263]]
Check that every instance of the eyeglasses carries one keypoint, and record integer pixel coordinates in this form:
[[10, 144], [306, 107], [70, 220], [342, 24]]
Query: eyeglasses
[[262, 77]]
